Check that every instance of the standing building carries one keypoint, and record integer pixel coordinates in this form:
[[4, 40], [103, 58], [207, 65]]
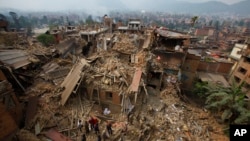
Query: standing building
[[242, 72]]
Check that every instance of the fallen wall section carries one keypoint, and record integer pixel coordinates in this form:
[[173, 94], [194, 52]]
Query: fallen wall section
[[72, 79]]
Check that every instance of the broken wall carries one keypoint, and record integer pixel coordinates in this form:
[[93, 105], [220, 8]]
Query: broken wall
[[191, 63], [189, 70], [170, 43], [170, 60], [112, 102]]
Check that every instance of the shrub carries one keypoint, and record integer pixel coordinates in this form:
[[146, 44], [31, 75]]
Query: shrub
[[46, 39]]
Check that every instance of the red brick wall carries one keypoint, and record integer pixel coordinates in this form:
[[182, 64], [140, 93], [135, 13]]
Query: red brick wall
[[215, 67], [102, 95], [225, 68], [190, 65], [212, 67], [116, 98]]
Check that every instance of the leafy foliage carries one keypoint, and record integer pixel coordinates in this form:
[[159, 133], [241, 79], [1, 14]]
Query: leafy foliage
[[194, 20], [46, 39], [228, 101], [200, 88]]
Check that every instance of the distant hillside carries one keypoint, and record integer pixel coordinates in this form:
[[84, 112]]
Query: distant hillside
[[198, 8], [241, 8], [212, 7]]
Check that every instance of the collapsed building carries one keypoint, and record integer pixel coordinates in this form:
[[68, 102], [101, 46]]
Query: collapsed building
[[116, 75], [135, 74]]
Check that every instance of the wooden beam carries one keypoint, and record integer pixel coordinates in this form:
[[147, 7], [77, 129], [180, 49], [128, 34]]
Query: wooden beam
[[136, 93], [145, 89]]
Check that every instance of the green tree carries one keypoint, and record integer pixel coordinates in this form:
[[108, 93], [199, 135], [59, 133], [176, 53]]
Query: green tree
[[229, 102], [217, 25], [23, 21], [194, 20], [201, 88], [46, 39]]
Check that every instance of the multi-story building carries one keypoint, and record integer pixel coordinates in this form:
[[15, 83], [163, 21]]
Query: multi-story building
[[242, 72]]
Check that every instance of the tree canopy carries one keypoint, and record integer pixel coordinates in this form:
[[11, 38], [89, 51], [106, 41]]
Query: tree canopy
[[46, 39], [228, 101]]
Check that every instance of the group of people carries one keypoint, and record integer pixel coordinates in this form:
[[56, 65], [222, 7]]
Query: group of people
[[93, 124]]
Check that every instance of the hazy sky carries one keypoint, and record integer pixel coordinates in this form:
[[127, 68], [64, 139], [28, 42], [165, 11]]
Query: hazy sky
[[56, 5]]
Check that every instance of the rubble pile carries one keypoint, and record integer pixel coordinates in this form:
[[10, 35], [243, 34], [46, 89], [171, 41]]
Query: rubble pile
[[9, 39], [62, 90], [109, 71], [38, 50], [126, 44], [55, 71], [172, 119], [50, 114]]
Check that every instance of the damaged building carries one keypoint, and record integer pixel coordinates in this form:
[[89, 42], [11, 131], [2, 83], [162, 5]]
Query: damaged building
[[170, 53], [135, 74], [114, 77]]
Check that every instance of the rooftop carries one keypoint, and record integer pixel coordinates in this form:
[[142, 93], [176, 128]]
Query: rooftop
[[215, 78], [171, 34]]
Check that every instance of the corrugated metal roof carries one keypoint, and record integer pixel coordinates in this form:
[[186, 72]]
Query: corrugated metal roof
[[14, 58]]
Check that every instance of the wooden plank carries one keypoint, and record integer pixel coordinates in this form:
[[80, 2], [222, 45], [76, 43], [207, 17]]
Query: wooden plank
[[20, 64], [136, 80], [72, 79], [56, 136]]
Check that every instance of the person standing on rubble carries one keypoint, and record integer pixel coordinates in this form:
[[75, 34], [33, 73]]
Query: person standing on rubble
[[79, 125], [109, 127], [93, 121], [96, 128], [86, 125], [129, 117]]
